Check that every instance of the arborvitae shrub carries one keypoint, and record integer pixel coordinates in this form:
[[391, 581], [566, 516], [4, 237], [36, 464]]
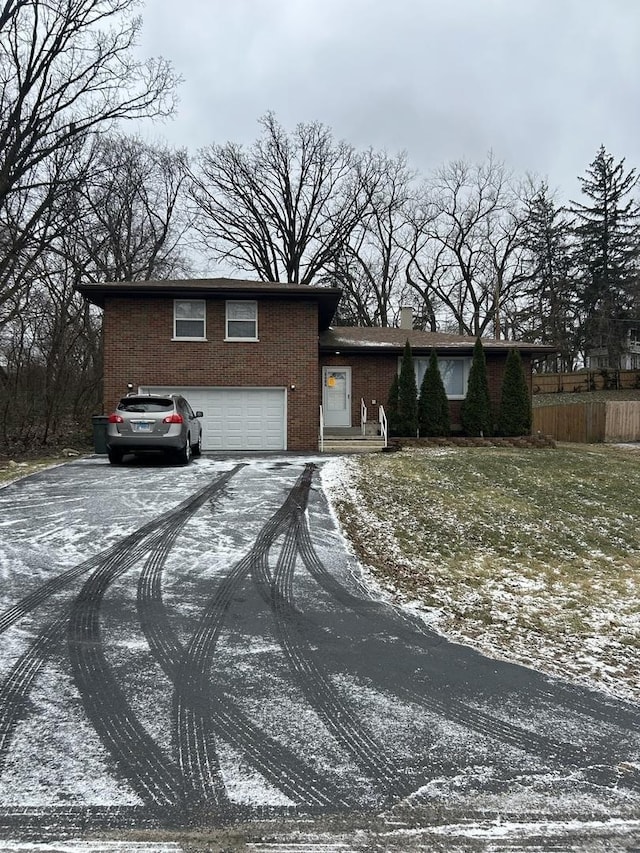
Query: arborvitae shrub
[[433, 406], [476, 409], [407, 395], [515, 406], [391, 409]]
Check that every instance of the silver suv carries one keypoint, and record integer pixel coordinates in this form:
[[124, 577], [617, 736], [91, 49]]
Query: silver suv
[[143, 422]]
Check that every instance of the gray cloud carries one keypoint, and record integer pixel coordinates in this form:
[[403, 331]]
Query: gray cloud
[[540, 82]]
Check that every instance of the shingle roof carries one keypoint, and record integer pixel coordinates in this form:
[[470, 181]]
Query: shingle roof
[[365, 338]]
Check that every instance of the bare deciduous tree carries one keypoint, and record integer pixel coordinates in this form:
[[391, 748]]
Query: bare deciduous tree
[[284, 208], [370, 267], [468, 249], [68, 74], [51, 353], [67, 71], [128, 219]]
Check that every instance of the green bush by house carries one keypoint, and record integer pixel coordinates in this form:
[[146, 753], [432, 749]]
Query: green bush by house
[[476, 409], [515, 405], [433, 405]]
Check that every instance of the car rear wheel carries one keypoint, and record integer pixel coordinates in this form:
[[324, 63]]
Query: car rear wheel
[[196, 449], [184, 454], [115, 457]]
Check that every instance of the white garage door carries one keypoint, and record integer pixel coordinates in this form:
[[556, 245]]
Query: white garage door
[[237, 418]]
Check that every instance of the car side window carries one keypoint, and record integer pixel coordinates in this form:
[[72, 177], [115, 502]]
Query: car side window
[[186, 408]]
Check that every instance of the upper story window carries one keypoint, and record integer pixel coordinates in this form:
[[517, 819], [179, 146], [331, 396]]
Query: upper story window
[[189, 320], [454, 372], [242, 321]]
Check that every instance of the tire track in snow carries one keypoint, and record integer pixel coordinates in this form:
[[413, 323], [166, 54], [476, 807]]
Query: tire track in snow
[[275, 762], [196, 709], [163, 642], [152, 775], [122, 548], [17, 685], [336, 714]]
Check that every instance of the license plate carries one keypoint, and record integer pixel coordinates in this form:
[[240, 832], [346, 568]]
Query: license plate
[[142, 426]]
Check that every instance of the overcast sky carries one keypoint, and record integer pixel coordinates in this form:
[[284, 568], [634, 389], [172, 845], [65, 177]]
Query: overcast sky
[[543, 83]]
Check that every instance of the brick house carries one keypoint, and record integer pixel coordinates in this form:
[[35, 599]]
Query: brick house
[[260, 358]]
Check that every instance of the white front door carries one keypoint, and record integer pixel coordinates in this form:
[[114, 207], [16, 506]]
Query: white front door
[[336, 396]]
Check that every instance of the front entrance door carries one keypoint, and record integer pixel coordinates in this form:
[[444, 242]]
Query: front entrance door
[[336, 396]]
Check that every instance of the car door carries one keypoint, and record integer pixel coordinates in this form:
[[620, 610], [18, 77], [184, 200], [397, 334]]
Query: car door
[[190, 418]]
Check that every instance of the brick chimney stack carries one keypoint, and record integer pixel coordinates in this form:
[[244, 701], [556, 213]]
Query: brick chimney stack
[[406, 317]]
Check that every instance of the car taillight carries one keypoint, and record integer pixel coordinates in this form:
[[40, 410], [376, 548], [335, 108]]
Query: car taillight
[[116, 419], [172, 419]]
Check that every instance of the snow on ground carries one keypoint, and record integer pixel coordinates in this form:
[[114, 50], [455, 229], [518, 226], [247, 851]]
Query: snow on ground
[[604, 660], [75, 766], [78, 846]]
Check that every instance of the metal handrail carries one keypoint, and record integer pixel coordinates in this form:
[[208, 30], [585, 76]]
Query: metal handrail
[[363, 416], [384, 427], [321, 431]]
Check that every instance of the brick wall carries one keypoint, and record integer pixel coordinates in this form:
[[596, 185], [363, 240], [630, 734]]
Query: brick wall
[[138, 349], [372, 375]]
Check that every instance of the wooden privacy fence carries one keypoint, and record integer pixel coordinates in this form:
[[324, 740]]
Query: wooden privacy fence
[[585, 380], [588, 423], [580, 422], [623, 421]]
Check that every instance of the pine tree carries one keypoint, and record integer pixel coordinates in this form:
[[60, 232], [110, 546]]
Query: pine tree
[[407, 395], [551, 310], [607, 229], [433, 406], [476, 409], [391, 410], [515, 406]]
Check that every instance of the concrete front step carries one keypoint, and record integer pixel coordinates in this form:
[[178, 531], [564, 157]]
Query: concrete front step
[[350, 445], [372, 430]]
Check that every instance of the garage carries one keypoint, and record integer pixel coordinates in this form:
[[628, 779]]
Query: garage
[[236, 418]]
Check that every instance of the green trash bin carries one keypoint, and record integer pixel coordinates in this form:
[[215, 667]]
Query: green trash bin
[[100, 433]]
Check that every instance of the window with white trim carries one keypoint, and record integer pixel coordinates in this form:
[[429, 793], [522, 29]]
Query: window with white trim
[[454, 373], [242, 321], [189, 320]]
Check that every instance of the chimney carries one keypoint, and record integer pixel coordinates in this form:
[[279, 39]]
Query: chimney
[[406, 317]]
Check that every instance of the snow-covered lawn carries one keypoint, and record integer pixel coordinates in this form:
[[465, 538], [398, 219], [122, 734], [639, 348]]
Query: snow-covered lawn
[[528, 555]]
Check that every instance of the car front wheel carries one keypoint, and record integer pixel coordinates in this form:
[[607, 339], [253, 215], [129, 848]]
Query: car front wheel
[[196, 449]]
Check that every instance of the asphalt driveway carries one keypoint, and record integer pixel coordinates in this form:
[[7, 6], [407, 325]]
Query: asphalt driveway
[[188, 646]]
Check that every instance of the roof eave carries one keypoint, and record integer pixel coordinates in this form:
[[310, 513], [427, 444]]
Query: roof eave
[[460, 348]]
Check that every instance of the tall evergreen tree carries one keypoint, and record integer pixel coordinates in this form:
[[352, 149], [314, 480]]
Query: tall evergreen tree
[[549, 312], [607, 230], [433, 405], [515, 405], [476, 409], [407, 395], [392, 407]]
